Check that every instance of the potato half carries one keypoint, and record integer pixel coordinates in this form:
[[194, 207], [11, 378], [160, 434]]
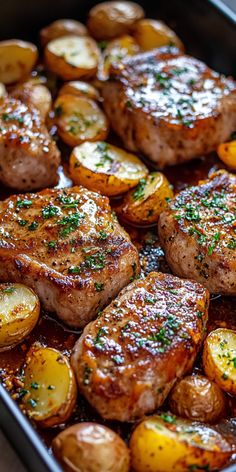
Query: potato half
[[60, 28], [19, 312], [91, 447], [105, 168], [143, 205], [116, 51], [50, 385], [79, 119], [17, 59], [80, 89], [151, 34], [72, 57], [227, 153], [219, 358], [167, 444]]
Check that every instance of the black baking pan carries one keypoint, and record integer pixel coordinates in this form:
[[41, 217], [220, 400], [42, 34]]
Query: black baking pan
[[208, 29]]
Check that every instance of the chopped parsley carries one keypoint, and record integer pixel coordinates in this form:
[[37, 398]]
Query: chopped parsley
[[140, 190], [23, 203], [50, 211], [215, 239], [168, 418], [70, 223], [98, 287], [102, 235], [33, 226], [95, 261]]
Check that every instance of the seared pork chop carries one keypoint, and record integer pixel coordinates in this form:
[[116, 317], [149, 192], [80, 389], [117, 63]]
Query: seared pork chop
[[29, 158], [198, 233], [169, 106], [68, 246], [128, 359]]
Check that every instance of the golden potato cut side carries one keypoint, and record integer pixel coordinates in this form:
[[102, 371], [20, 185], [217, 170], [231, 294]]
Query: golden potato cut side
[[62, 27], [227, 153], [79, 89], [17, 59], [116, 50]]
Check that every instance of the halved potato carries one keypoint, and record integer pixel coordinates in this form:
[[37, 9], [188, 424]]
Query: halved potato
[[105, 168], [72, 57], [91, 447], [50, 384], [219, 358], [116, 50], [79, 119], [167, 444], [19, 312], [227, 153], [107, 20], [35, 94], [143, 205], [80, 89], [59, 28], [151, 34], [17, 59]]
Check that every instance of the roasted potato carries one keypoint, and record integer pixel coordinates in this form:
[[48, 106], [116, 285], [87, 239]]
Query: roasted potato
[[227, 153], [219, 358], [105, 168], [143, 205], [79, 119], [60, 28], [116, 50], [3, 91], [108, 20], [72, 57], [17, 59], [91, 447], [151, 34], [80, 89], [50, 385], [167, 444], [19, 312], [36, 95], [198, 398]]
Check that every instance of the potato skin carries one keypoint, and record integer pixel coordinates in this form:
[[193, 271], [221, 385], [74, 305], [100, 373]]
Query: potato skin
[[198, 398], [151, 34], [60, 28], [36, 95], [17, 59], [91, 447]]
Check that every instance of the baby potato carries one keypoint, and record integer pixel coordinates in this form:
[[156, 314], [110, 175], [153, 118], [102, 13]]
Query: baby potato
[[227, 153], [107, 20], [80, 89], [168, 444], [116, 50], [198, 398], [219, 358], [91, 447], [143, 205], [19, 312], [72, 57], [50, 384], [79, 119], [151, 34], [35, 94], [105, 168], [60, 28], [17, 59]]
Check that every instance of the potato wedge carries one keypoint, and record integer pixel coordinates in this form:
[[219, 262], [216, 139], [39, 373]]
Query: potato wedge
[[72, 57], [19, 312], [107, 20], [150, 34], [227, 153], [105, 168], [50, 385], [80, 89], [219, 358], [116, 50], [91, 447], [79, 119], [17, 59], [143, 205], [60, 28], [167, 444], [35, 94]]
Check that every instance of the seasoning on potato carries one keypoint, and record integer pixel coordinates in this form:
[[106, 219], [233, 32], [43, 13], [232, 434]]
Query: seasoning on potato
[[79, 119], [105, 168], [198, 398], [143, 205], [227, 153], [34, 94], [91, 447], [219, 358], [151, 34], [72, 57], [108, 20], [50, 386], [60, 28], [17, 59], [118, 49], [19, 312], [168, 444], [80, 89]]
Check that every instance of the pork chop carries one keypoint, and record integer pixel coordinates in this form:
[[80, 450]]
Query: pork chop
[[169, 106], [29, 158], [128, 359], [67, 246], [198, 233]]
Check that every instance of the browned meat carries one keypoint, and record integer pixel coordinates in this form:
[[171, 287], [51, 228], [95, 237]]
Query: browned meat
[[129, 358], [67, 246], [29, 158], [198, 233], [169, 106]]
